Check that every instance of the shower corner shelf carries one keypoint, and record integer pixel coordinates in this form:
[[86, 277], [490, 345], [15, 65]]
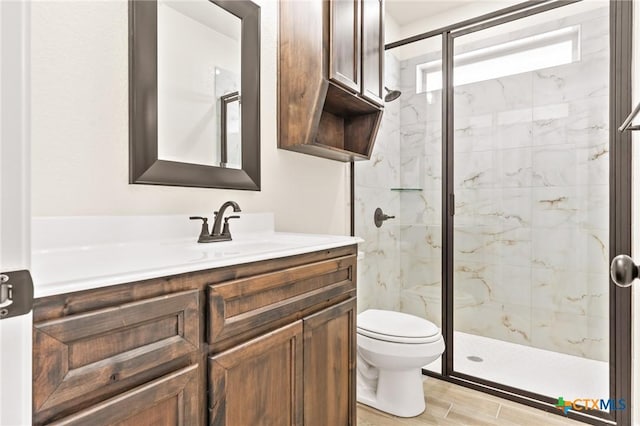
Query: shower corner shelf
[[407, 189]]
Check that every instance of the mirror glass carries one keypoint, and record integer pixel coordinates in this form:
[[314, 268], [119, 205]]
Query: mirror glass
[[199, 69]]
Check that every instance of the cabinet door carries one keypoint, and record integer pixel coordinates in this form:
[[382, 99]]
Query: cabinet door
[[329, 366], [373, 51], [258, 382], [344, 43], [171, 400]]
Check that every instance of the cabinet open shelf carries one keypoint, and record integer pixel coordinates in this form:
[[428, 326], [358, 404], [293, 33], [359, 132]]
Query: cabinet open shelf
[[348, 126]]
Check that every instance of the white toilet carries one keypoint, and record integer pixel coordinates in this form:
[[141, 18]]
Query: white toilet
[[392, 349]]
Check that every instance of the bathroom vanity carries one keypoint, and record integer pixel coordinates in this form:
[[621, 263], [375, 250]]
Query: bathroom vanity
[[255, 331]]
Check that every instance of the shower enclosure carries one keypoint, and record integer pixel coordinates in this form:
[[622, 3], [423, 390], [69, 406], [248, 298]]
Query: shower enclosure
[[502, 165]]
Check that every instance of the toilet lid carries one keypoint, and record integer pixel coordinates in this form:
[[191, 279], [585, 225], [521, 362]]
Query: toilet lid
[[396, 327]]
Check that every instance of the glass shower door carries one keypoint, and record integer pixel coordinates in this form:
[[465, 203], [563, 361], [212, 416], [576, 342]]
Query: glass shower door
[[419, 188], [531, 181]]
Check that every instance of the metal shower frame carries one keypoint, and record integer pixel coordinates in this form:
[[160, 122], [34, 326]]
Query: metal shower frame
[[619, 205]]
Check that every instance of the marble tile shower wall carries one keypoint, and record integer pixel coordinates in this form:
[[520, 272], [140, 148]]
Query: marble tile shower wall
[[379, 270], [531, 184]]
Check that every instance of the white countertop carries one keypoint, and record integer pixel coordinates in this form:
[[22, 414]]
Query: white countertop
[[64, 260]]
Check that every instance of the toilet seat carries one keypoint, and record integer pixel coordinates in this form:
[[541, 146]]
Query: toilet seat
[[400, 339], [396, 327]]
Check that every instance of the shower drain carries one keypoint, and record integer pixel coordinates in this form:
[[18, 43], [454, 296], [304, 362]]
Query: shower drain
[[474, 358]]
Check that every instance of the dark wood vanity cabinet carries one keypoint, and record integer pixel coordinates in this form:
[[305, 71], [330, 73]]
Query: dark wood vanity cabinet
[[331, 77], [288, 376], [270, 342]]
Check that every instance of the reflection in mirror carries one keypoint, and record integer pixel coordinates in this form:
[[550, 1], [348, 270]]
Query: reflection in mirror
[[229, 118], [230, 136], [199, 68]]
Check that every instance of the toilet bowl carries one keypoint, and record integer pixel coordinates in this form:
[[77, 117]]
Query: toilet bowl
[[392, 348]]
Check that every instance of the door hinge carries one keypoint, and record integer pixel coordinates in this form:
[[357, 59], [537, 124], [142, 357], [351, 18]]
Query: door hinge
[[16, 293], [452, 204]]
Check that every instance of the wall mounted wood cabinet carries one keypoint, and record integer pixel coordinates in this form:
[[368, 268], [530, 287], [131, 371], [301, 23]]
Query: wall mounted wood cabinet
[[249, 344], [331, 70]]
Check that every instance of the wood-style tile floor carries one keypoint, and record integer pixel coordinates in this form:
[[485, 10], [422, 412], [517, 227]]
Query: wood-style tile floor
[[449, 404]]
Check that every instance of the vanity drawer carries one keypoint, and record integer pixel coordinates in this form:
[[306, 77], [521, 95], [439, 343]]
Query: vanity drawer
[[170, 400], [252, 305], [84, 358]]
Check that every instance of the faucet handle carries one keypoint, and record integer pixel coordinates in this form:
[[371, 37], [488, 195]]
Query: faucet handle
[[225, 228], [204, 231]]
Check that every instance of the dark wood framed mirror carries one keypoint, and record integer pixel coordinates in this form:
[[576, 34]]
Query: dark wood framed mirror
[[158, 153]]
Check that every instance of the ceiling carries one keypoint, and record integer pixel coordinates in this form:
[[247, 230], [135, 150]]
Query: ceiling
[[208, 14], [407, 11]]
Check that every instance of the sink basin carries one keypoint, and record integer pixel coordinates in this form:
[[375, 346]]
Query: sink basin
[[235, 248]]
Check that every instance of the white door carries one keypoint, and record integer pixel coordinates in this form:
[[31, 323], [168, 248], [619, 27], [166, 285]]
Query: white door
[[15, 215]]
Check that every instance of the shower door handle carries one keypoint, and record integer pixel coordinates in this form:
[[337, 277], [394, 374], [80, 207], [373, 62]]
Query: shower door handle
[[624, 270]]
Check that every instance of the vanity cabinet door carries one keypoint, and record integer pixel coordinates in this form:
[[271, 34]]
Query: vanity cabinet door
[[344, 43], [258, 382], [373, 51], [329, 366], [170, 400]]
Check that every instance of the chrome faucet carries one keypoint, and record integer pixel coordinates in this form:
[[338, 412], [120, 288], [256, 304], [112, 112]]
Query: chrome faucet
[[216, 235]]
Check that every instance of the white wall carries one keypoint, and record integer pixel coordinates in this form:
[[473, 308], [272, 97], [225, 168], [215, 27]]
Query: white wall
[[469, 10], [391, 29], [80, 131], [466, 10]]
